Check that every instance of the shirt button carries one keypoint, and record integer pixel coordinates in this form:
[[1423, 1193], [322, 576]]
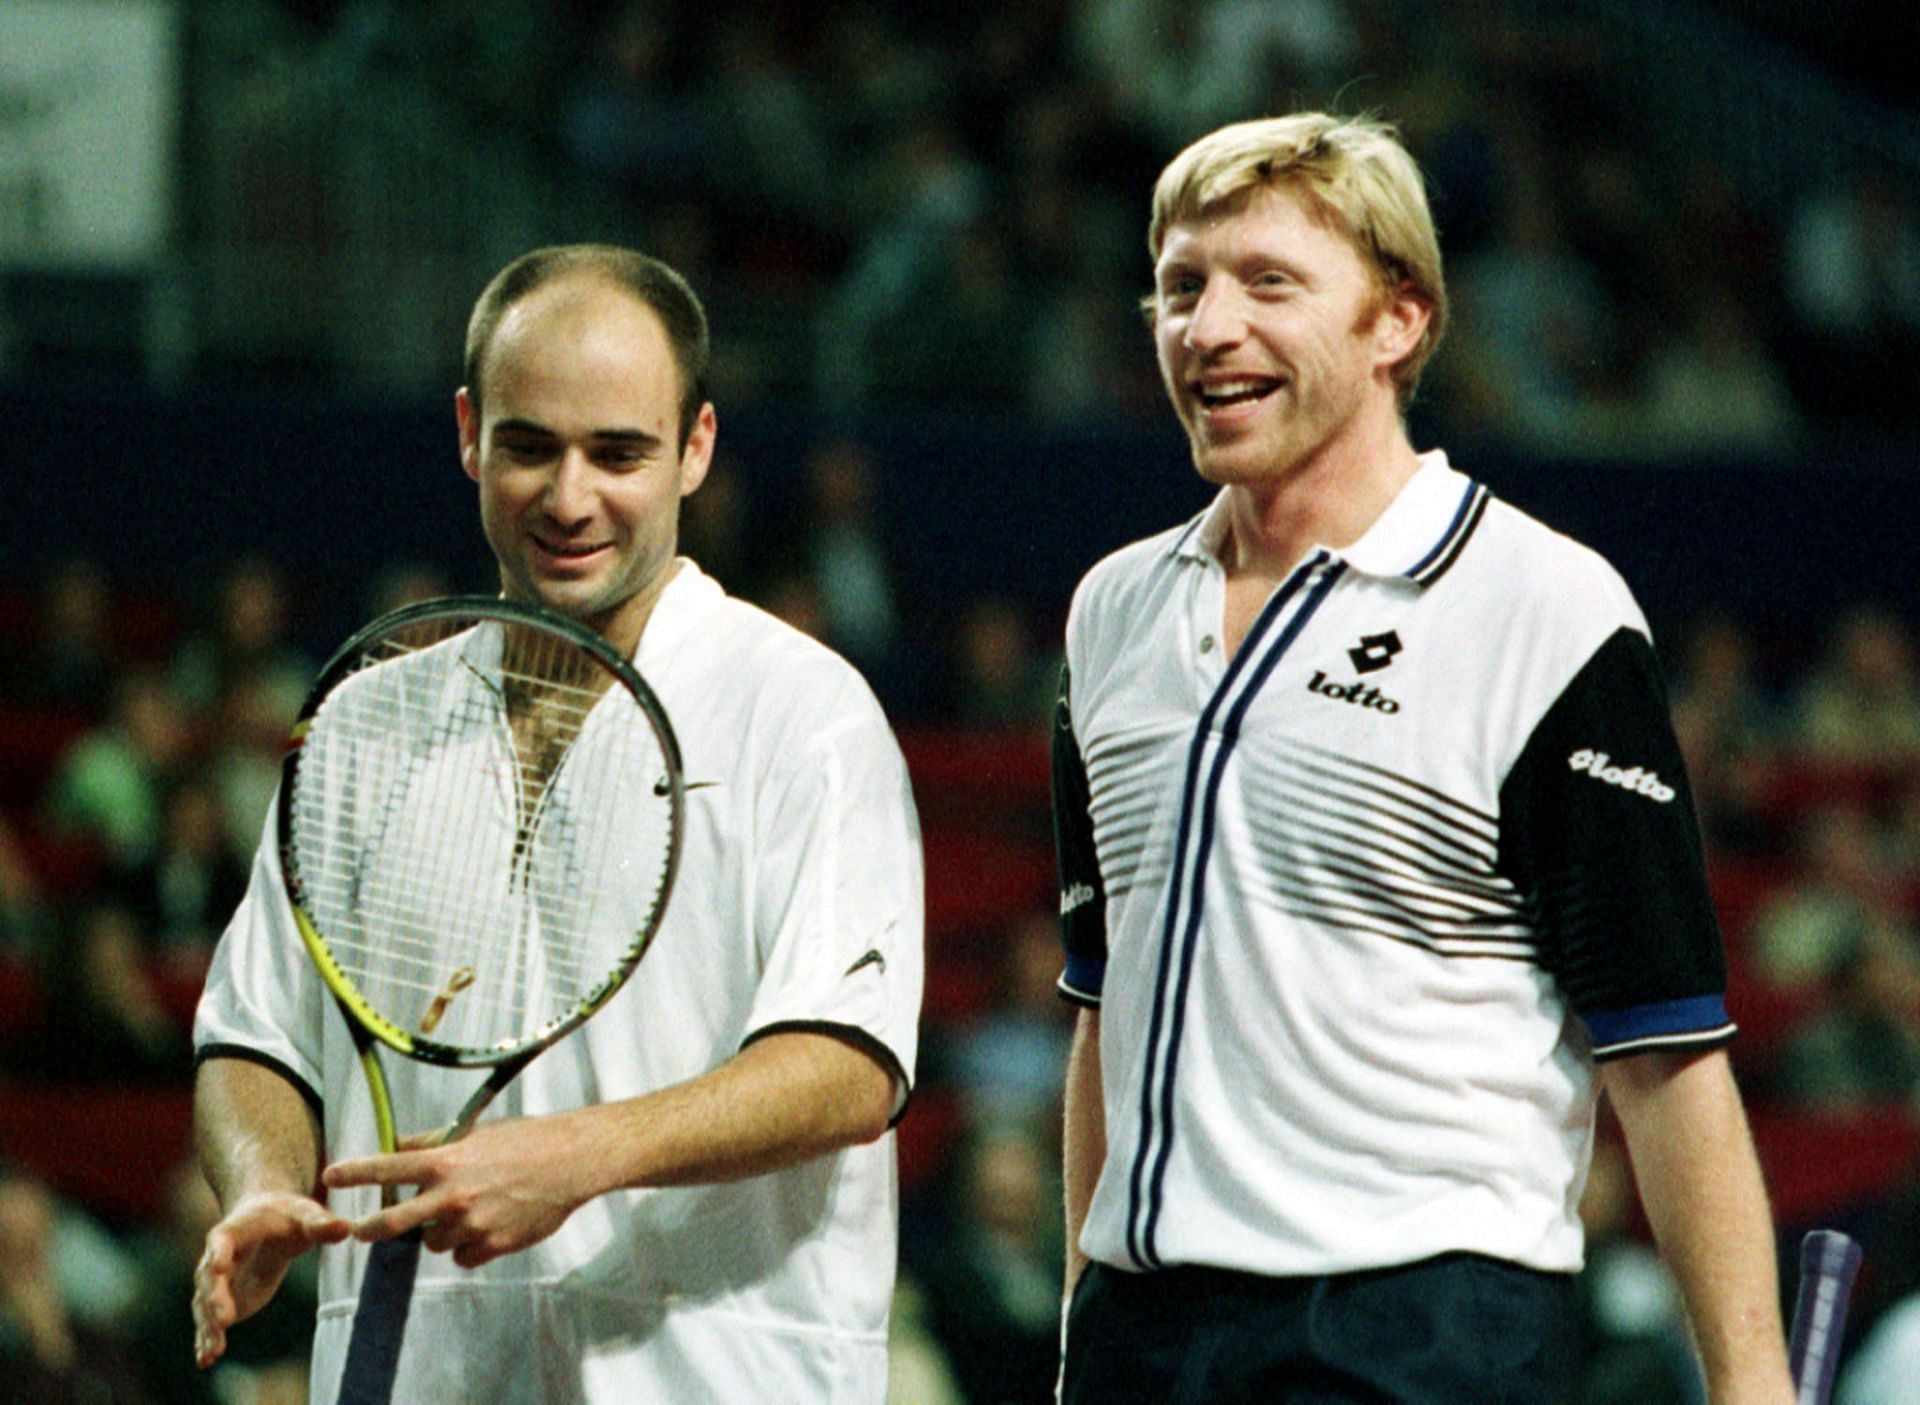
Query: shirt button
[[1206, 643]]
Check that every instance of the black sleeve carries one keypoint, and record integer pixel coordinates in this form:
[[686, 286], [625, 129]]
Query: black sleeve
[[1083, 898], [1597, 830]]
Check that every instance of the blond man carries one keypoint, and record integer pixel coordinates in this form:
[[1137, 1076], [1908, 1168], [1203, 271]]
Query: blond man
[[1378, 864]]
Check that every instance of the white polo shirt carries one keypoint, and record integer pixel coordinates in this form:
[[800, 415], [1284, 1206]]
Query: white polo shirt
[[1362, 906], [798, 905]]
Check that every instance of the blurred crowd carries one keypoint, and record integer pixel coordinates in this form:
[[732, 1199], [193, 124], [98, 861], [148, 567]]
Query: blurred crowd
[[139, 744], [945, 204]]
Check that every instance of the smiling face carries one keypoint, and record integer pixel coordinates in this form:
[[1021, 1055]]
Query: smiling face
[[577, 453], [1276, 339]]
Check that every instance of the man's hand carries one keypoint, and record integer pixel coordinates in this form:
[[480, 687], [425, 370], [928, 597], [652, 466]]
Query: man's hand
[[504, 1187], [247, 1255]]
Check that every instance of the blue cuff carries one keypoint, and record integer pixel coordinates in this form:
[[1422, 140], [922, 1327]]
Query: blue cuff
[[1699, 1019], [1083, 978]]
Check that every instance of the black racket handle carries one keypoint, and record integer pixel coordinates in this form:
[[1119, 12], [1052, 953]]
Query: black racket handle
[[380, 1321], [1828, 1262]]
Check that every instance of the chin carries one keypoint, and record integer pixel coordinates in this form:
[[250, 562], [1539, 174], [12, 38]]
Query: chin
[[1225, 466]]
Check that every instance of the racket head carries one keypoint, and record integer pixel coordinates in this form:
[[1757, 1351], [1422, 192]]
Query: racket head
[[480, 820]]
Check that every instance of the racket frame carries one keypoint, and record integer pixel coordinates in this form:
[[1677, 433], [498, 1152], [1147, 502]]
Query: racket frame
[[360, 1012]]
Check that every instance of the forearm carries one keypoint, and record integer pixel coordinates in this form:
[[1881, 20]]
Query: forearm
[[253, 1131], [784, 1099], [1701, 1186], [1084, 1137]]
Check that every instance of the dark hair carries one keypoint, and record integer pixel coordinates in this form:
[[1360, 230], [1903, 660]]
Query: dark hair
[[650, 280]]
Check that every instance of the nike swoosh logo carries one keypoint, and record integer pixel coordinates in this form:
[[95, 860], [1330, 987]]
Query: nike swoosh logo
[[872, 958], [660, 787]]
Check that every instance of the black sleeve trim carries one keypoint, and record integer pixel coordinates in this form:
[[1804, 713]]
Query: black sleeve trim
[[1083, 897], [266, 1061], [863, 1040], [1597, 830]]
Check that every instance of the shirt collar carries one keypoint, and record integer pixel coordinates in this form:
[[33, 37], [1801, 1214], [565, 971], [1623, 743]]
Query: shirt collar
[[1418, 536], [677, 613]]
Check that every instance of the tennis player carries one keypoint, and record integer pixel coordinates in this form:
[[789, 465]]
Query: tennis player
[[693, 1197], [1378, 864]]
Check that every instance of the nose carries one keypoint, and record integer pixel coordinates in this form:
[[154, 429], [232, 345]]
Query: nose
[[569, 494], [1218, 318]]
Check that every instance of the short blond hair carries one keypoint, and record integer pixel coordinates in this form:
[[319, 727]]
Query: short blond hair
[[1354, 169]]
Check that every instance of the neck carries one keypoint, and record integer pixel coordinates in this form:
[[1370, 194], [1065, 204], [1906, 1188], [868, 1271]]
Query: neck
[[1328, 499], [623, 626]]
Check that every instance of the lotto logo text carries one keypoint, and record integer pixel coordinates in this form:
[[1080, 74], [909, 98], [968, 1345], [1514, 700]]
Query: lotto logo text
[[1637, 779], [1351, 693]]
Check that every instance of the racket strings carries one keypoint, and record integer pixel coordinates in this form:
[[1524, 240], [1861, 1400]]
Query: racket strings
[[480, 848]]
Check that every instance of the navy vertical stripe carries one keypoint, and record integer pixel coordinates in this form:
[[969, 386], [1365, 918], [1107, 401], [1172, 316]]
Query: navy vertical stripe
[[1261, 665]]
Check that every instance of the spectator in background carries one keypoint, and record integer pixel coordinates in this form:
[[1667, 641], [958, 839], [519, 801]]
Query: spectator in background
[[1716, 690], [406, 583], [1011, 1063], [713, 529], [995, 1294], [1542, 332], [1862, 706], [1842, 887], [72, 662], [182, 894], [1715, 388], [103, 1018], [244, 766], [935, 191], [1853, 287], [109, 784], [1862, 1049], [1000, 680], [637, 116], [1726, 726], [773, 130], [843, 553], [50, 1352], [247, 640]]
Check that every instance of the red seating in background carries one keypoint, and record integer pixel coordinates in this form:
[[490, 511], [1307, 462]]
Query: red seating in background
[[1819, 1164], [111, 1149], [33, 738]]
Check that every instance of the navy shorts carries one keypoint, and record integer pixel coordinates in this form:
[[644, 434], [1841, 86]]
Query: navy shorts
[[1458, 1328]]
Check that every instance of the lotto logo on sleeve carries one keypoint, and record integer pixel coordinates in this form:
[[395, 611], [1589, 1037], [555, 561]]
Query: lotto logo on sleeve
[[1637, 779]]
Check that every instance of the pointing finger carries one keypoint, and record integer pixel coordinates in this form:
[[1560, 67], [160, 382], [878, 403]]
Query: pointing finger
[[397, 1168]]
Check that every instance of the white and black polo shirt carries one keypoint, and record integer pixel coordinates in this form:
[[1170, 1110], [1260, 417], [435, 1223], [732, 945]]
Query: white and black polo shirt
[[1363, 906]]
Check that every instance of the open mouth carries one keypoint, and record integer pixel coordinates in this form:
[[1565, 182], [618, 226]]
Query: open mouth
[[569, 551], [1224, 395]]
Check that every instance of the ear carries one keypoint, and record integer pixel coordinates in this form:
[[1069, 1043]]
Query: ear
[[469, 420], [697, 457], [1402, 320]]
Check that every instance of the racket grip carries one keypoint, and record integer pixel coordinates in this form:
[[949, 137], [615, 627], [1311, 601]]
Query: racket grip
[[380, 1321], [1828, 1262]]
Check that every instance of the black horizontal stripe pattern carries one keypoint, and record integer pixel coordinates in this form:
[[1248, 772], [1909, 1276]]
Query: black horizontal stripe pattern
[[1358, 847], [1129, 805]]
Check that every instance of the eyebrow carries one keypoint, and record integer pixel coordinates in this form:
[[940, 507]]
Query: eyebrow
[[637, 438]]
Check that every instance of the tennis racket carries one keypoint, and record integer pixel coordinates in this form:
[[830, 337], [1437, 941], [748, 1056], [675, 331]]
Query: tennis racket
[[1828, 1262], [480, 818]]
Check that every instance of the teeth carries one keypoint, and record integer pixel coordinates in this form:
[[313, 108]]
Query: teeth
[[1233, 392]]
